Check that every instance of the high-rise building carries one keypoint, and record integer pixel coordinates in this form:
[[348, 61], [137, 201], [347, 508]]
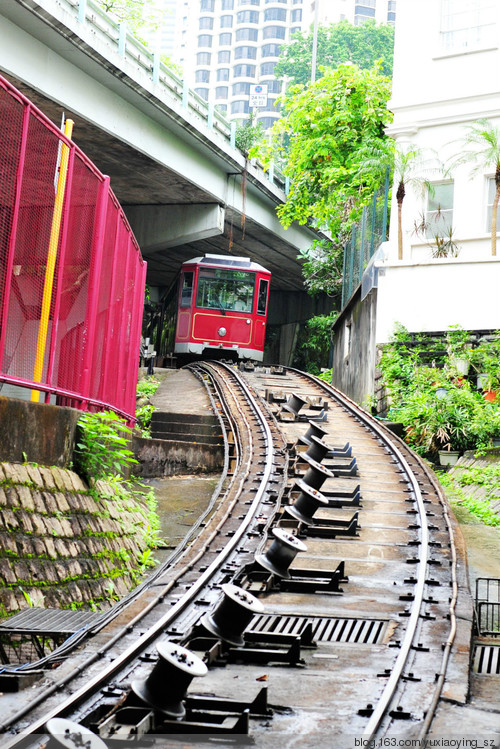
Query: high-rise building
[[228, 49], [354, 11], [236, 47]]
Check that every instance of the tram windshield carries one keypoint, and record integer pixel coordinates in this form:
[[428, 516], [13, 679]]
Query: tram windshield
[[224, 289]]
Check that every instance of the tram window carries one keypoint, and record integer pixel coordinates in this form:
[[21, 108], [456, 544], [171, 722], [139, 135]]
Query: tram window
[[262, 298], [224, 289], [187, 289]]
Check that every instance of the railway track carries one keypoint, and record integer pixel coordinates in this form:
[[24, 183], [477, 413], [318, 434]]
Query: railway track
[[316, 598]]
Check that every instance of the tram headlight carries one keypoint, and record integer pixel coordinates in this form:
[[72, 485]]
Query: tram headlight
[[222, 332]]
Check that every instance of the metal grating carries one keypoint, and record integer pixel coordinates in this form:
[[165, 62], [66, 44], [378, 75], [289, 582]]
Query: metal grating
[[486, 659], [48, 621], [324, 629]]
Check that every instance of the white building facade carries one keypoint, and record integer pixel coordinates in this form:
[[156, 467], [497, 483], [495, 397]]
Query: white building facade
[[235, 45], [354, 11], [446, 77]]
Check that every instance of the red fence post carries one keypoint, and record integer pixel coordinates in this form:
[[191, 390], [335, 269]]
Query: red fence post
[[135, 335], [93, 287], [13, 233]]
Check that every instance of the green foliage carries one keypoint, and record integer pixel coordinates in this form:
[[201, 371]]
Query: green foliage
[[338, 43], [147, 386], [102, 446], [487, 477], [141, 16], [438, 408], [485, 358], [144, 409], [322, 266], [333, 126], [313, 345], [332, 145], [248, 134]]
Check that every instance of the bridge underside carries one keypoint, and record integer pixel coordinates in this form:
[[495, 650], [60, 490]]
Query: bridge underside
[[164, 207]]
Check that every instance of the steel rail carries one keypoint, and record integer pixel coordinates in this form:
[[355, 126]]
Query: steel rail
[[153, 632], [381, 709], [77, 638]]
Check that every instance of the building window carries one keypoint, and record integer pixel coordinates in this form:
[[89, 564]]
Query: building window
[[223, 74], [248, 2], [203, 92], [241, 88], [267, 122], [267, 68], [249, 52], [240, 107], [274, 32], [467, 24], [227, 4], [225, 39], [247, 35], [221, 92], [204, 40], [276, 14], [202, 76], [244, 71], [224, 56], [439, 214], [207, 5], [226, 22], [296, 16], [206, 23], [203, 58], [271, 50], [274, 87], [247, 16]]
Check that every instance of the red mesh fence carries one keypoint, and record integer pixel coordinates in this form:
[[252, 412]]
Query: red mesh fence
[[89, 357]]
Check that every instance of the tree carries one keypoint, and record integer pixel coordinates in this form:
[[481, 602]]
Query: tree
[[140, 16], [338, 43], [333, 147], [407, 165], [485, 140], [333, 127]]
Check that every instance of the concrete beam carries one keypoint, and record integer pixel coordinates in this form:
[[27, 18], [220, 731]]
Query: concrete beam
[[158, 227]]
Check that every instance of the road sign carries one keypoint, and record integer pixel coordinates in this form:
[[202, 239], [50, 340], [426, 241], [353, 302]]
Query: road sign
[[258, 95]]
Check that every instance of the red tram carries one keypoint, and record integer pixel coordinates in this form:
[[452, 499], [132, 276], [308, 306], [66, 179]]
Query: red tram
[[222, 308]]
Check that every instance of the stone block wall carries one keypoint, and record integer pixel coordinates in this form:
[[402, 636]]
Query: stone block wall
[[63, 545]]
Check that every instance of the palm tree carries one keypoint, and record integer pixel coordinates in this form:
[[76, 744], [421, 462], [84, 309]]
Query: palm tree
[[408, 162], [485, 138]]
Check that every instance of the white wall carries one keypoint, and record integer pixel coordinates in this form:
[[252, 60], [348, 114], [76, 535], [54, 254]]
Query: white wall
[[437, 93]]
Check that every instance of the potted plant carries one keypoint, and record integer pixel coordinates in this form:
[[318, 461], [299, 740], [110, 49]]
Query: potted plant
[[459, 348], [486, 361]]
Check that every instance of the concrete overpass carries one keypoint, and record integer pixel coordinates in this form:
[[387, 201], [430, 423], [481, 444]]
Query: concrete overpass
[[186, 189]]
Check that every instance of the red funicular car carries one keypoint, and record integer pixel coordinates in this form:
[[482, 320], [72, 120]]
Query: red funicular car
[[222, 308]]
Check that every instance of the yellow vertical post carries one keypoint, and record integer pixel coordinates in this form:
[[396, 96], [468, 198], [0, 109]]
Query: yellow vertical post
[[51, 261]]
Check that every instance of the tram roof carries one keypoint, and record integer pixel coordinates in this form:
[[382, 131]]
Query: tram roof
[[228, 261]]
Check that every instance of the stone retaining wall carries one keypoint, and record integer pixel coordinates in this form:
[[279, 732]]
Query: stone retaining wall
[[62, 545]]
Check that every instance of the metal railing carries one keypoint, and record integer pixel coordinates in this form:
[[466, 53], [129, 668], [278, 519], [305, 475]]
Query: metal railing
[[487, 605], [96, 27], [71, 274], [366, 237]]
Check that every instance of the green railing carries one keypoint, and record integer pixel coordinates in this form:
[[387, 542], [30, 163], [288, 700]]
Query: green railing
[[366, 237]]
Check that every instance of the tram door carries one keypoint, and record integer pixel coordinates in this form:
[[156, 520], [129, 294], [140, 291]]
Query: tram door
[[260, 318], [185, 305]]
